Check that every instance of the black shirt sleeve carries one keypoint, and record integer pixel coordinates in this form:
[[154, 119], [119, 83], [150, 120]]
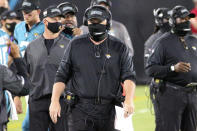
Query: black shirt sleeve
[[156, 63], [11, 81], [127, 67], [64, 71]]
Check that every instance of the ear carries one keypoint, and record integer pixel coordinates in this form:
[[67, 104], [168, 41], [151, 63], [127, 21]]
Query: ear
[[39, 11]]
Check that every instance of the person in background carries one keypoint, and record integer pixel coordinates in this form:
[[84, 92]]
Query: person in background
[[117, 30], [162, 26], [69, 20], [25, 32]]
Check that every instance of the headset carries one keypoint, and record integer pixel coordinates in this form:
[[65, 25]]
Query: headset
[[97, 2], [160, 14], [95, 7]]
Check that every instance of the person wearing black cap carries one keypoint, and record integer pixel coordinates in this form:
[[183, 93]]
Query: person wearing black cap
[[117, 30], [9, 19], [173, 65], [69, 11], [96, 64], [31, 27], [162, 26], [42, 57]]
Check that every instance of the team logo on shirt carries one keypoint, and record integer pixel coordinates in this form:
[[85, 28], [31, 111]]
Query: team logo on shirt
[[61, 46], [108, 56], [194, 48], [36, 34]]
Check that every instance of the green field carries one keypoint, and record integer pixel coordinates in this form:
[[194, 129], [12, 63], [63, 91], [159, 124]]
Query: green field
[[143, 119]]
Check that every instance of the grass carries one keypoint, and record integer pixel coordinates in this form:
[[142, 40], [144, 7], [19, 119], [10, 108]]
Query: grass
[[143, 120]]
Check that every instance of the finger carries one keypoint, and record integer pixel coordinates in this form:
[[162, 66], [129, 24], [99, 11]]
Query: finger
[[59, 113], [185, 67]]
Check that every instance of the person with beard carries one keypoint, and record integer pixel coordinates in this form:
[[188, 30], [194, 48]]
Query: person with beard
[[42, 58], [96, 64], [117, 30], [173, 65], [162, 26], [69, 20]]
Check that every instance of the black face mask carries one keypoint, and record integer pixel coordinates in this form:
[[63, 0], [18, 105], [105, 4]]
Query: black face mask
[[182, 29], [10, 26], [166, 27], [54, 27], [2, 9], [68, 30], [98, 32]]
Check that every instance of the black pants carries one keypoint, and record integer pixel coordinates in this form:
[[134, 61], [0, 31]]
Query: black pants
[[80, 121], [3, 127], [176, 110], [40, 119]]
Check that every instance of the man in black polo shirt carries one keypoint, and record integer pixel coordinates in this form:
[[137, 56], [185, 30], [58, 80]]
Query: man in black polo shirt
[[42, 57], [174, 68], [96, 64]]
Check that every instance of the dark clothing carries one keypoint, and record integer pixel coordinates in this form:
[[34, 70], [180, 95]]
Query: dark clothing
[[170, 51], [39, 116], [48, 44], [150, 44], [81, 66], [172, 91], [79, 121], [42, 66], [175, 110], [13, 83]]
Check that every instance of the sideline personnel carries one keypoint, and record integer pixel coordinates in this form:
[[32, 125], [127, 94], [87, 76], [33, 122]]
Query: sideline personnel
[[96, 64]]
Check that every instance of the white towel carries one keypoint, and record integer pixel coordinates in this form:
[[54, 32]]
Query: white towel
[[121, 123], [13, 112]]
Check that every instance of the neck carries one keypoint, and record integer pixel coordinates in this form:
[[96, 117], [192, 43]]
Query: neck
[[97, 43], [49, 35], [30, 24]]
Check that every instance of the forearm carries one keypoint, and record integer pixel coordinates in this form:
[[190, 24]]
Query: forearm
[[58, 89], [129, 87], [158, 71]]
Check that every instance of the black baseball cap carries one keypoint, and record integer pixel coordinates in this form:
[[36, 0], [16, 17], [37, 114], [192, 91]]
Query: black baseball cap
[[29, 6], [98, 12], [181, 12], [52, 11], [9, 15], [97, 2], [67, 7]]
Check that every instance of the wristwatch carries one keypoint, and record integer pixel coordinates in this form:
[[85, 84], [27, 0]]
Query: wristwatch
[[172, 68]]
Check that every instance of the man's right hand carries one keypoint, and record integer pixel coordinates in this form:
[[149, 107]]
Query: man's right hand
[[182, 67], [55, 111]]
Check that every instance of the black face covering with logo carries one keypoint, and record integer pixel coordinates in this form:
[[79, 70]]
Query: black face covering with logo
[[10, 26], [98, 32]]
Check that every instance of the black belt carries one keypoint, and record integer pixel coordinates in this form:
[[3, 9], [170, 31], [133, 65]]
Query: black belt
[[181, 88], [95, 101]]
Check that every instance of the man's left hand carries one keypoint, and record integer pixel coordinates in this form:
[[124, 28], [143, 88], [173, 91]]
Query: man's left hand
[[77, 32]]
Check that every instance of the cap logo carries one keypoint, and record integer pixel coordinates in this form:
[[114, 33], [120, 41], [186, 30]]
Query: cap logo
[[26, 4], [13, 14], [67, 8], [184, 11], [56, 10], [96, 13]]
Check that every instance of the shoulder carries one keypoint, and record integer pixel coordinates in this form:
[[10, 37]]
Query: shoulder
[[19, 25], [35, 42], [79, 39], [64, 39], [40, 25], [118, 24], [116, 44]]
